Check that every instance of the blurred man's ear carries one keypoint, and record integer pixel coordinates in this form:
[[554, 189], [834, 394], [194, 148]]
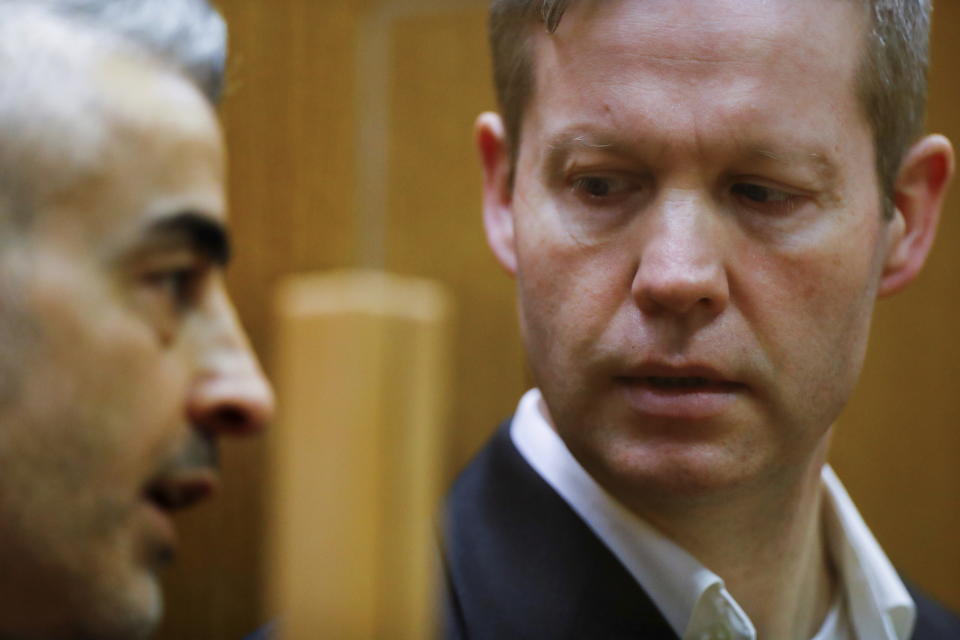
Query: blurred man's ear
[[918, 197], [497, 192]]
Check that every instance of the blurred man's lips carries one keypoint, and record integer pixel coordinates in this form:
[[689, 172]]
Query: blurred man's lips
[[167, 493], [693, 392], [181, 489]]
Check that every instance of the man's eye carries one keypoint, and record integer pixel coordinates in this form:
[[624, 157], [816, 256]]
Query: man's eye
[[597, 187], [177, 286], [761, 194]]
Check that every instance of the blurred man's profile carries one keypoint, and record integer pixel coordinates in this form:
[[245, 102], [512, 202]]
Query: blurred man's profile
[[700, 202], [121, 359]]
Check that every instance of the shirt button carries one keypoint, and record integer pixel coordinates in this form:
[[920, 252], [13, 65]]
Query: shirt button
[[717, 633]]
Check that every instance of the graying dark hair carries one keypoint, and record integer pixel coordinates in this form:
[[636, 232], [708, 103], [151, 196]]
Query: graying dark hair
[[892, 87], [45, 46], [187, 34]]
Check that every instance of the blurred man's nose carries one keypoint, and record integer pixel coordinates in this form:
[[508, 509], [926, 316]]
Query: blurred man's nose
[[681, 267], [230, 394]]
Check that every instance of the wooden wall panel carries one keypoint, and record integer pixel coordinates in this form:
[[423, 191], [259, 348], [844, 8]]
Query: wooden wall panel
[[434, 225], [294, 118], [362, 367]]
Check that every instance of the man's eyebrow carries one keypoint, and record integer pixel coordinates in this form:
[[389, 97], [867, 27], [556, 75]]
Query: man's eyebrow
[[201, 233], [562, 145], [567, 142], [820, 162]]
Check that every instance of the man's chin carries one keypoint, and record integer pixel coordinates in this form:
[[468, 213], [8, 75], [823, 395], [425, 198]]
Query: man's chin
[[676, 474], [125, 612]]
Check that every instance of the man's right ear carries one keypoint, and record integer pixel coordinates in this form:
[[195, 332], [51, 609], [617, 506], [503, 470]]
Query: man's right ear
[[497, 192]]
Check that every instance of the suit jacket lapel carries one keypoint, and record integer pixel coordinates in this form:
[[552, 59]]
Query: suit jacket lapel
[[934, 621], [522, 564]]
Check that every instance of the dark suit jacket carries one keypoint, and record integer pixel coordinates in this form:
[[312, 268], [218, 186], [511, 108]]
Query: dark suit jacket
[[520, 564]]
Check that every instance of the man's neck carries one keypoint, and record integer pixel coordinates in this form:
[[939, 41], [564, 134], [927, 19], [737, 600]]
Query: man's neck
[[770, 550]]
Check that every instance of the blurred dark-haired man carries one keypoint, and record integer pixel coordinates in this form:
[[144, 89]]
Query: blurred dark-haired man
[[121, 358]]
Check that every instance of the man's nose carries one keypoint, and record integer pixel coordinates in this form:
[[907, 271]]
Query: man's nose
[[230, 395], [681, 268]]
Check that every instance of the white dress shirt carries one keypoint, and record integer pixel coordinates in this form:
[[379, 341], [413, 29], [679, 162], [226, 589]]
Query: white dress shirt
[[872, 604]]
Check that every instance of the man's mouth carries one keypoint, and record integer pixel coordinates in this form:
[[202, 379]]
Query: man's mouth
[[681, 392], [681, 384], [663, 382], [186, 479], [665, 376], [167, 493], [180, 489]]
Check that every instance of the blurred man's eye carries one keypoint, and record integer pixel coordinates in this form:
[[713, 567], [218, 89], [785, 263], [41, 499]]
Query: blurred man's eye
[[178, 287], [170, 289]]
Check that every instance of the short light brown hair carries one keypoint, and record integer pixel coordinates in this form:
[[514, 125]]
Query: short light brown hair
[[892, 86]]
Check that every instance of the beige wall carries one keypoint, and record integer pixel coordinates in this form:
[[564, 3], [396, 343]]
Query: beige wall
[[335, 168]]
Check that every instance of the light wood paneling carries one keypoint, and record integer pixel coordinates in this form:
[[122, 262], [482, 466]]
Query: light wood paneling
[[434, 225], [362, 371]]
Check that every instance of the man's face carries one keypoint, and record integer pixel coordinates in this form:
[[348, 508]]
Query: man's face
[[696, 234], [129, 363]]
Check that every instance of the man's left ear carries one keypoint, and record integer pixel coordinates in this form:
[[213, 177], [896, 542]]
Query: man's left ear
[[918, 196]]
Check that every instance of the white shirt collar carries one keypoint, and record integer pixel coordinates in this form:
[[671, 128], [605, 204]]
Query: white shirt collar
[[693, 599], [878, 602]]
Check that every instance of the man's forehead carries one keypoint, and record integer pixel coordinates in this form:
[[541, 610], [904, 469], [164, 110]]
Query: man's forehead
[[722, 30], [139, 92], [43, 88], [646, 61]]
